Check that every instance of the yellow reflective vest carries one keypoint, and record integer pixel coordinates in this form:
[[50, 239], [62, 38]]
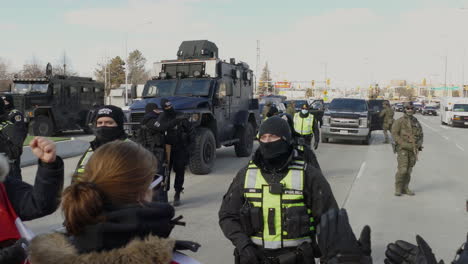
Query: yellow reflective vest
[[286, 221], [304, 126]]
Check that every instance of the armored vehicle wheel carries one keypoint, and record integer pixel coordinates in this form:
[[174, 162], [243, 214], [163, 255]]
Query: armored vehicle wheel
[[43, 126], [244, 147], [204, 152]]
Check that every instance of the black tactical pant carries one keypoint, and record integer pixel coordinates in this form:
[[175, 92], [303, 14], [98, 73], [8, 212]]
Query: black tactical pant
[[179, 159]]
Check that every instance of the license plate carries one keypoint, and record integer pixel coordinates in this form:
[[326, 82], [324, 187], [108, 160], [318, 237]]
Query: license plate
[[345, 132]]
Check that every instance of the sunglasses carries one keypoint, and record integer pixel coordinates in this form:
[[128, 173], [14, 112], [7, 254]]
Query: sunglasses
[[409, 108]]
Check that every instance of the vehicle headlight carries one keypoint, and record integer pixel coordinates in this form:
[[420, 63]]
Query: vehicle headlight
[[30, 114], [194, 117], [363, 122], [326, 120], [456, 118]]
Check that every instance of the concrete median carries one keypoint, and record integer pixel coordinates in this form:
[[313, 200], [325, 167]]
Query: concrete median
[[65, 149]]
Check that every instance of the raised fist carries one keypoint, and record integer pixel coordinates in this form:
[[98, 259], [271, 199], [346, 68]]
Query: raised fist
[[44, 149]]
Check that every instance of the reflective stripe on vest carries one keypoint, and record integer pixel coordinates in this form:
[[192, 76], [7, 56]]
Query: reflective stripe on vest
[[304, 126], [82, 164], [5, 124], [83, 161], [274, 205]]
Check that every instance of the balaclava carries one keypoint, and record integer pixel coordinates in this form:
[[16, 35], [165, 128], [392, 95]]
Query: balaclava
[[275, 153], [167, 107], [107, 134]]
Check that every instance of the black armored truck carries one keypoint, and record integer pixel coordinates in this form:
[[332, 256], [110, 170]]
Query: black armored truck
[[55, 103], [215, 95]]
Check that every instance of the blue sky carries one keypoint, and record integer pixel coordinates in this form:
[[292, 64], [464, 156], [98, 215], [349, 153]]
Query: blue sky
[[358, 40]]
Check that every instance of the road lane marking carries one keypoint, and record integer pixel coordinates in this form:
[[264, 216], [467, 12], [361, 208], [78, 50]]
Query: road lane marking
[[460, 147], [445, 137], [361, 171], [431, 128]]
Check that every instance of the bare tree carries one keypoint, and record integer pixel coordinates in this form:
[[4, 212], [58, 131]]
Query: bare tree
[[64, 66], [4, 70]]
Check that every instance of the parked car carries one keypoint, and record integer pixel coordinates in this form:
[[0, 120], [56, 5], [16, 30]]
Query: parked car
[[398, 107], [429, 110], [418, 107]]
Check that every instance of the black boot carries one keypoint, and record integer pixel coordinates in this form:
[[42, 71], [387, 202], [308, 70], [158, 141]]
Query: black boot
[[177, 199]]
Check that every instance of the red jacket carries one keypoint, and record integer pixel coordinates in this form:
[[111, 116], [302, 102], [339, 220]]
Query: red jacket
[[8, 230]]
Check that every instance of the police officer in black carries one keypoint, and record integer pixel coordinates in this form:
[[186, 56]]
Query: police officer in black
[[177, 132], [300, 144], [152, 139], [273, 206], [108, 126], [17, 118], [11, 141]]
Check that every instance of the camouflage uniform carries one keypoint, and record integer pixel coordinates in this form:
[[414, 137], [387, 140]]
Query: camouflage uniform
[[408, 135], [387, 117], [266, 109], [291, 110]]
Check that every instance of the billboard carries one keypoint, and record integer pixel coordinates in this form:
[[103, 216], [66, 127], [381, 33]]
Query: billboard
[[284, 84]]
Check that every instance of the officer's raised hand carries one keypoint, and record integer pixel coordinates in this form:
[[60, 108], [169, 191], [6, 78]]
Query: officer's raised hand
[[403, 252], [338, 243], [44, 149]]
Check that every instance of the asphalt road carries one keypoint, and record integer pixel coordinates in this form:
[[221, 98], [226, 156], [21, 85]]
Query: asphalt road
[[362, 179]]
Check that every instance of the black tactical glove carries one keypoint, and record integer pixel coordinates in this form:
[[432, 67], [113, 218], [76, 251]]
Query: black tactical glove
[[186, 245], [15, 253], [316, 144], [249, 255], [462, 253], [402, 252], [338, 242]]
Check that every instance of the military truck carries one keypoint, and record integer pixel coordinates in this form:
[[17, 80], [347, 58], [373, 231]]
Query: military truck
[[56, 103], [215, 95]]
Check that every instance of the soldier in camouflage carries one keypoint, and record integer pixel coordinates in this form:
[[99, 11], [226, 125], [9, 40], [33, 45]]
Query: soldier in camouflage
[[387, 117], [408, 135]]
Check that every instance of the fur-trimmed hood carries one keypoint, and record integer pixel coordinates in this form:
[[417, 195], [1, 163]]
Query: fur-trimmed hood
[[56, 248]]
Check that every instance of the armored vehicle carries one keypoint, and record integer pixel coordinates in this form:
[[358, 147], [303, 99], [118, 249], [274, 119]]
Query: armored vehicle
[[215, 95], [56, 103]]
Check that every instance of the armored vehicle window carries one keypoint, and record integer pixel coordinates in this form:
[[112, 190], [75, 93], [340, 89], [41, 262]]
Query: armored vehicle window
[[222, 90], [191, 87], [237, 89], [97, 90], [160, 88], [73, 91], [21, 88], [84, 89], [56, 89]]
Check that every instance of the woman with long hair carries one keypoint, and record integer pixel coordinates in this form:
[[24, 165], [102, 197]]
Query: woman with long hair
[[109, 217]]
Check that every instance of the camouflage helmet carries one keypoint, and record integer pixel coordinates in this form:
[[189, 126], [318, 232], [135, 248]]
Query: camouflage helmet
[[408, 105]]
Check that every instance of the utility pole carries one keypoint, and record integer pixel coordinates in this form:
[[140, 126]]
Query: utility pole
[[445, 77], [64, 63], [258, 61]]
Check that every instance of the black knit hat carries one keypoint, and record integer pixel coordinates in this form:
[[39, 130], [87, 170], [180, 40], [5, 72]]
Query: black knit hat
[[150, 107], [111, 111], [165, 103], [277, 126], [9, 99]]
